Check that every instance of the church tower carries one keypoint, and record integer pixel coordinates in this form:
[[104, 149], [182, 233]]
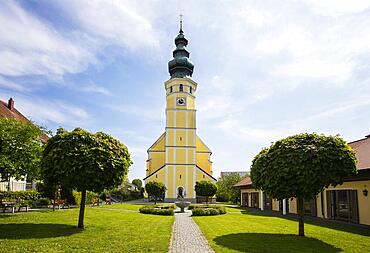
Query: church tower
[[179, 158]]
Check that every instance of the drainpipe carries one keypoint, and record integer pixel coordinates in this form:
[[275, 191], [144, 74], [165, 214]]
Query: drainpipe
[[261, 203], [284, 206]]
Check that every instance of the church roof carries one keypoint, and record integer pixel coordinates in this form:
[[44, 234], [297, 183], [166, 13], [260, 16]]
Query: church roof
[[153, 173]]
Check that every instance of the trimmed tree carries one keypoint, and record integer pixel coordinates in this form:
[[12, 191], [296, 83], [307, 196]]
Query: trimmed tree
[[138, 183], [205, 189], [301, 166], [84, 161], [20, 149], [155, 190]]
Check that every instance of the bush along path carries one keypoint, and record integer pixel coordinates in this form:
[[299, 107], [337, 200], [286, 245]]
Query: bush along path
[[187, 237]]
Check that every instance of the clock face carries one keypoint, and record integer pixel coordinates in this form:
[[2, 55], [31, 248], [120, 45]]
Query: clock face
[[181, 101]]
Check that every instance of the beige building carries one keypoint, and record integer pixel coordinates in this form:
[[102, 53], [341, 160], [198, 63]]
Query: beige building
[[349, 202]]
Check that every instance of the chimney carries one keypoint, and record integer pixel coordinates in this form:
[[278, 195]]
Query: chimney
[[10, 104]]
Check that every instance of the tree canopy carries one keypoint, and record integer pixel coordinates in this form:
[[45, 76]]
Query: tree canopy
[[226, 190], [206, 189], [301, 166], [138, 183], [156, 190], [20, 149], [85, 161]]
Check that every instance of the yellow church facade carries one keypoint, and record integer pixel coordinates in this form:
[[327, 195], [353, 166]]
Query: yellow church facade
[[179, 158]]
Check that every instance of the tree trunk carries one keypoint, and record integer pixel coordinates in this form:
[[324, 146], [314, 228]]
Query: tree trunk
[[82, 210], [300, 209]]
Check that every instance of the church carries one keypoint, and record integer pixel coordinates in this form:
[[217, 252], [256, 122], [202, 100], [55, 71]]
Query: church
[[179, 158]]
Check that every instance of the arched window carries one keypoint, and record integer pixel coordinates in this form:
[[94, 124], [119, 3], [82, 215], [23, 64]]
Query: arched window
[[181, 87], [171, 89], [191, 90]]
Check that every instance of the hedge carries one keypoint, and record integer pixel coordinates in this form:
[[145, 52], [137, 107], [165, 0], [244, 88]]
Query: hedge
[[207, 210], [157, 210], [25, 195]]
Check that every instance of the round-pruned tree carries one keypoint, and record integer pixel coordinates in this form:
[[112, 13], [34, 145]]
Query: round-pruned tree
[[301, 166], [156, 190], [138, 183], [205, 189], [20, 149], [85, 162]]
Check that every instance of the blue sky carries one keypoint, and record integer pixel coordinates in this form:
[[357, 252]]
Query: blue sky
[[265, 69]]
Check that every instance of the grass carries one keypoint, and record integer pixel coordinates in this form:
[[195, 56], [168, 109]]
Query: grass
[[248, 231], [115, 228]]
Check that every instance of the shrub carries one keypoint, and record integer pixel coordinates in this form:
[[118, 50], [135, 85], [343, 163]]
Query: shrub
[[30, 203], [25, 195], [207, 210], [42, 202], [90, 196], [152, 209]]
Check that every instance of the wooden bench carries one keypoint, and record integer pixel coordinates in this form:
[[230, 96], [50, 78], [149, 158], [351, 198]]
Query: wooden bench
[[10, 206], [23, 206]]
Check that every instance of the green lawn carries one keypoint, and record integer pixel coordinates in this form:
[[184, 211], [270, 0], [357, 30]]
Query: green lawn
[[248, 231], [115, 228]]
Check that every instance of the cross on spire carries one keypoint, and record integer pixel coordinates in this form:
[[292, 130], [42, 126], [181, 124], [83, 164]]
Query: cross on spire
[[181, 31]]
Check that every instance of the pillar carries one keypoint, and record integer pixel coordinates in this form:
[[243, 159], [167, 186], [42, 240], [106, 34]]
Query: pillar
[[261, 202], [284, 206]]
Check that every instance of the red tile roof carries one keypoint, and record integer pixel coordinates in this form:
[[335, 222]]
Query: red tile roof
[[362, 149], [7, 110], [11, 113], [244, 182]]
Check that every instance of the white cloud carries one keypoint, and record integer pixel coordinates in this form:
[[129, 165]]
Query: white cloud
[[29, 46], [48, 111], [7, 84], [125, 23], [94, 88]]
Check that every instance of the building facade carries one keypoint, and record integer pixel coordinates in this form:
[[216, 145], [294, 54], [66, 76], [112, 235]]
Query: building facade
[[348, 202], [179, 158]]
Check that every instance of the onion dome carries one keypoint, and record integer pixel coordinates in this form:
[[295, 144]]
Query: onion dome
[[180, 66]]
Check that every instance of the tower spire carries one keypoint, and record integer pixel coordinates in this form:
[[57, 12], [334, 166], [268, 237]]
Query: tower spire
[[180, 66]]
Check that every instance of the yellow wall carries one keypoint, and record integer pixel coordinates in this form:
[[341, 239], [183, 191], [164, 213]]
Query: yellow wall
[[363, 202], [275, 205], [180, 148], [249, 196]]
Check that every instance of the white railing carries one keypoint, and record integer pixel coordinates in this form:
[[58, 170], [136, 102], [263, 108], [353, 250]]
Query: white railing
[[15, 186]]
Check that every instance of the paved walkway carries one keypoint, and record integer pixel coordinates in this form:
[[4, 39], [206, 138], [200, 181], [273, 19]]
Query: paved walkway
[[187, 237]]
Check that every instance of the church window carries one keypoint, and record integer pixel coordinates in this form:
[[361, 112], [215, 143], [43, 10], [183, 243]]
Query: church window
[[171, 89], [156, 176], [203, 176], [181, 87], [180, 138], [180, 176], [191, 90]]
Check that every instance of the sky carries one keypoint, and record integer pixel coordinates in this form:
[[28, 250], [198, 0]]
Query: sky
[[265, 69]]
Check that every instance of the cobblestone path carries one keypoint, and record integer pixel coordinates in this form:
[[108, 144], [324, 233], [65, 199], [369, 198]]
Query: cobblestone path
[[187, 237]]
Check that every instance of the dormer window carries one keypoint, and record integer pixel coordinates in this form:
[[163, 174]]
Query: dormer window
[[181, 87]]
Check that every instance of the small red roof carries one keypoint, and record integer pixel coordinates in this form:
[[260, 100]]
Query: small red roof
[[247, 181], [362, 149], [7, 110]]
